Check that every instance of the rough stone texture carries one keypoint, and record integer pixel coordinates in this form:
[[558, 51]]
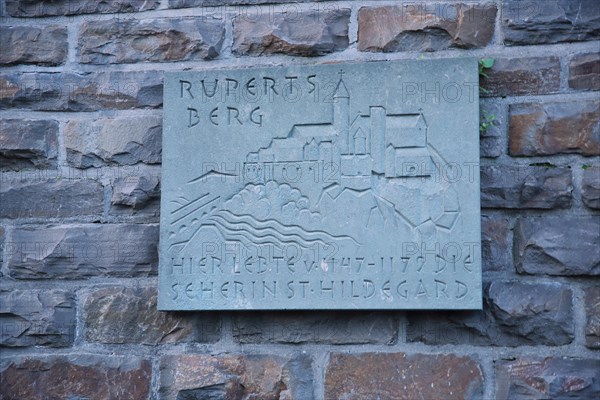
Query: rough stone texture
[[130, 315], [50, 198], [590, 187], [505, 186], [514, 314], [67, 91], [584, 72], [592, 310], [520, 76], [552, 21], [2, 238], [402, 377], [268, 377], [555, 128], [495, 245], [316, 327], [557, 246], [83, 251], [547, 378], [31, 45], [130, 41], [425, 27], [210, 3], [26, 143], [42, 8], [307, 33], [123, 141], [490, 139], [76, 376], [135, 195], [37, 318]]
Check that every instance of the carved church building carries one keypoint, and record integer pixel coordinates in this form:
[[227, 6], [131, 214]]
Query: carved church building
[[390, 145]]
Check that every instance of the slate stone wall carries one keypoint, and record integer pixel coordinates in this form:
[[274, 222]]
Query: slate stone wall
[[80, 151]]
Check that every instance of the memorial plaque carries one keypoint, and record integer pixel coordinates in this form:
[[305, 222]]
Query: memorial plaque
[[341, 186]]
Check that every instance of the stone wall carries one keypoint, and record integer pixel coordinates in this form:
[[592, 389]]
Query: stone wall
[[80, 151]]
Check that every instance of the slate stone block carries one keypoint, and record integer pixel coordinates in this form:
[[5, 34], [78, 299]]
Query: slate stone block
[[215, 3], [44, 8], [506, 186], [38, 317], [551, 21], [584, 72], [549, 378], [495, 244], [135, 195], [50, 198], [592, 311], [236, 376], [566, 246], [490, 138], [160, 40], [76, 376], [590, 187], [119, 315], [538, 129], [32, 45], [522, 76], [120, 141], [514, 314], [309, 33], [27, 143], [420, 26], [69, 91], [316, 327], [402, 376], [83, 251]]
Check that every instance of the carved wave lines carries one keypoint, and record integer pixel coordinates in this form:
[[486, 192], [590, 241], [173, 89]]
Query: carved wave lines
[[270, 231]]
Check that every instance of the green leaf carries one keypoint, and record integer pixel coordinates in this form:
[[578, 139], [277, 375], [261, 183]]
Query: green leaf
[[487, 62]]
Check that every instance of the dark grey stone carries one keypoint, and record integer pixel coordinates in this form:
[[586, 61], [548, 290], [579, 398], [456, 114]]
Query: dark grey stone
[[67, 91], [39, 317], [26, 143], [550, 21], [514, 314], [120, 141], [307, 33], [590, 187], [130, 41], [214, 3], [495, 245], [352, 195], [592, 311], [32, 45], [557, 246], [505, 186], [83, 251], [135, 195], [50, 198], [43, 8], [493, 114], [316, 327]]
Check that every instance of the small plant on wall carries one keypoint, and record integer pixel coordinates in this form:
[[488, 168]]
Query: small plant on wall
[[487, 120]]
